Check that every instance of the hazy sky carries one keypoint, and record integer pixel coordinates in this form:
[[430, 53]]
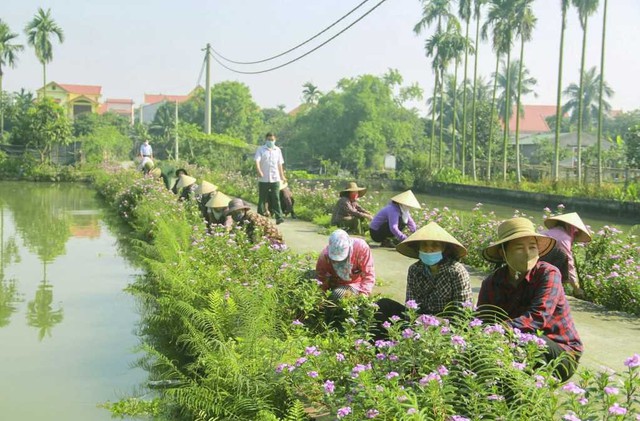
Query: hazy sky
[[135, 47]]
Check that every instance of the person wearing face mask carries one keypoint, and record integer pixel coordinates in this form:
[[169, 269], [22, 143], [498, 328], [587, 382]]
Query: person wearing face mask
[[566, 229], [530, 292], [388, 224], [436, 281], [256, 226], [347, 213], [269, 163], [217, 211]]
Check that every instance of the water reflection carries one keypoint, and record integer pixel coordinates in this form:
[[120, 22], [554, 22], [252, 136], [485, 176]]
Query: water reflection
[[40, 312], [9, 296]]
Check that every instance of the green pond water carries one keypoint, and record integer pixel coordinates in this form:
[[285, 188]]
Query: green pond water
[[67, 328]]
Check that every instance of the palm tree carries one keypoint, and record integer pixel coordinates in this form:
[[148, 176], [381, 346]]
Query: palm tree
[[601, 89], [464, 11], [525, 22], [589, 101], [585, 9], [527, 83], [477, 13], [311, 93], [39, 32], [8, 52], [40, 312], [564, 4]]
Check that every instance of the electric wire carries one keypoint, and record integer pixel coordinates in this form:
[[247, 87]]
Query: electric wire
[[292, 48], [301, 56]]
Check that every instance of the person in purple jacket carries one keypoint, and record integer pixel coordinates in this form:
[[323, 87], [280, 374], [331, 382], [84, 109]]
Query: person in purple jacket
[[387, 225]]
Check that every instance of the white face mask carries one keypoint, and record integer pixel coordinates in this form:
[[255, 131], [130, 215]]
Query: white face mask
[[404, 211]]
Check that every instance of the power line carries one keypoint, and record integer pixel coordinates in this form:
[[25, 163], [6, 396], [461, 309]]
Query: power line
[[301, 56], [293, 48]]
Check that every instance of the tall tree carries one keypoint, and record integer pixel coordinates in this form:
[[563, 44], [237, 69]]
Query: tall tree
[[310, 93], [601, 91], [464, 11], [39, 32], [585, 9], [8, 57], [525, 22], [564, 4], [477, 6], [588, 101]]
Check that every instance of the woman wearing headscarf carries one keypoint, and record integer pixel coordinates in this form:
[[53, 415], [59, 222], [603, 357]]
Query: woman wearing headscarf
[[436, 280], [388, 224]]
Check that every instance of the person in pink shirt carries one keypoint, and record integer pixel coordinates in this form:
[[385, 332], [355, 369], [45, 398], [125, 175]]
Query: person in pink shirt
[[566, 229]]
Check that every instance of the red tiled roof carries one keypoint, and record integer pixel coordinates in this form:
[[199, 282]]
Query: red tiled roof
[[155, 98], [81, 89], [119, 101], [533, 120]]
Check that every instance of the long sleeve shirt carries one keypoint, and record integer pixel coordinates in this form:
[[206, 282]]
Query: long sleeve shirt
[[537, 303], [390, 215], [363, 276], [344, 208], [563, 244], [433, 293]]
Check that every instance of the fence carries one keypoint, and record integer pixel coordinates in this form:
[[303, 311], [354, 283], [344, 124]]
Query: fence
[[60, 155]]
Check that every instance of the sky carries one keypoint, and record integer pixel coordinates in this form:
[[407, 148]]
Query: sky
[[135, 47]]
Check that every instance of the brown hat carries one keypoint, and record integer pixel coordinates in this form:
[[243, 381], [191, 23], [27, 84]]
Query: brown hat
[[430, 232], [185, 181], [582, 236], [352, 186], [512, 229], [219, 200], [206, 188], [407, 198], [237, 204]]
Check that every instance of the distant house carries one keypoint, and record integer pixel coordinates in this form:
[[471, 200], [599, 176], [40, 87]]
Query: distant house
[[568, 141], [533, 120], [122, 107], [75, 99], [152, 102]]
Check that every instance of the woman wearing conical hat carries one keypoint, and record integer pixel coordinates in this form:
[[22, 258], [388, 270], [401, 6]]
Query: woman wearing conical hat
[[186, 185], [217, 210], [388, 224], [436, 280], [347, 213], [566, 229], [204, 191], [530, 292]]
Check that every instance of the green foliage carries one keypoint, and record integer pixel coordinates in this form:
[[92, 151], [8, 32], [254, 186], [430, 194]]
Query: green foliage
[[105, 143], [448, 175], [132, 407]]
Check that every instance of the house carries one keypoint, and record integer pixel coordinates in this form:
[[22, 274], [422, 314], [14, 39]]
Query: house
[[122, 107], [533, 120], [75, 99], [152, 102], [568, 141]]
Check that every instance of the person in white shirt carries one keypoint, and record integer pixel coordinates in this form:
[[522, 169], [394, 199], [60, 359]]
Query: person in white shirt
[[146, 151], [269, 163]]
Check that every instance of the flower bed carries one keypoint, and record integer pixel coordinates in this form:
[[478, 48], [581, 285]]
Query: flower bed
[[234, 330]]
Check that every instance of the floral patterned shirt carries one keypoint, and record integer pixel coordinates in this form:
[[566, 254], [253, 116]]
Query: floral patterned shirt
[[345, 207]]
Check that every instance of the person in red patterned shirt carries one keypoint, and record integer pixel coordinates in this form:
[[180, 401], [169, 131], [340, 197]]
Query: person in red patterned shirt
[[530, 292]]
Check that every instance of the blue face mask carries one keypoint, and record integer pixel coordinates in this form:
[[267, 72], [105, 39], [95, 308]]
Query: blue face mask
[[270, 144], [430, 259]]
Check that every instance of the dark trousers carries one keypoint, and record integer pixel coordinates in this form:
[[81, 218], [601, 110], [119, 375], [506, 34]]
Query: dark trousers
[[384, 232], [269, 193]]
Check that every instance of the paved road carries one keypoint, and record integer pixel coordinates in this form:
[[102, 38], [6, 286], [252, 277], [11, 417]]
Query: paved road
[[609, 337]]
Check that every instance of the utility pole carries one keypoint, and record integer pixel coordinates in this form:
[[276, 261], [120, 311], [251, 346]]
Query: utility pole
[[176, 130], [207, 92]]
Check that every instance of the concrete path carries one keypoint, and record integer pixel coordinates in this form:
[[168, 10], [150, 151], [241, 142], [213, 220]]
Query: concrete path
[[609, 337]]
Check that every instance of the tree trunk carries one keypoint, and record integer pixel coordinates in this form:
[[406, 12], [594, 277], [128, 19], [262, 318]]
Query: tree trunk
[[493, 106], [464, 102], [434, 103], [518, 171], [505, 135], [604, 32], [44, 79], [556, 152], [453, 116], [440, 150], [2, 104], [473, 112], [581, 99]]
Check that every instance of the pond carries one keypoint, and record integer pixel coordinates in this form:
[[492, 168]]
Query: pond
[[67, 327]]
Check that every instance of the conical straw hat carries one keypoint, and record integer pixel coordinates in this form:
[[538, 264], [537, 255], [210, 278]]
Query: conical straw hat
[[407, 198], [185, 181], [206, 188], [219, 200], [430, 232], [512, 229], [582, 236]]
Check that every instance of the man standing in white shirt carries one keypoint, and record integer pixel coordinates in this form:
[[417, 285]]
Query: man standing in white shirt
[[269, 162], [145, 150]]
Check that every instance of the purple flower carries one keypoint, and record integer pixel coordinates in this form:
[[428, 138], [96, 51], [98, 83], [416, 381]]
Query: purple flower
[[494, 329], [394, 318], [386, 325], [475, 322], [442, 370], [300, 361], [430, 378], [583, 401], [381, 356], [372, 413], [329, 387], [411, 411], [458, 418], [312, 374], [281, 367], [407, 333], [444, 330], [573, 388], [518, 366], [343, 412], [412, 305], [570, 416], [616, 409], [339, 356], [310, 350], [427, 320], [390, 375], [611, 390], [458, 340], [632, 362]]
